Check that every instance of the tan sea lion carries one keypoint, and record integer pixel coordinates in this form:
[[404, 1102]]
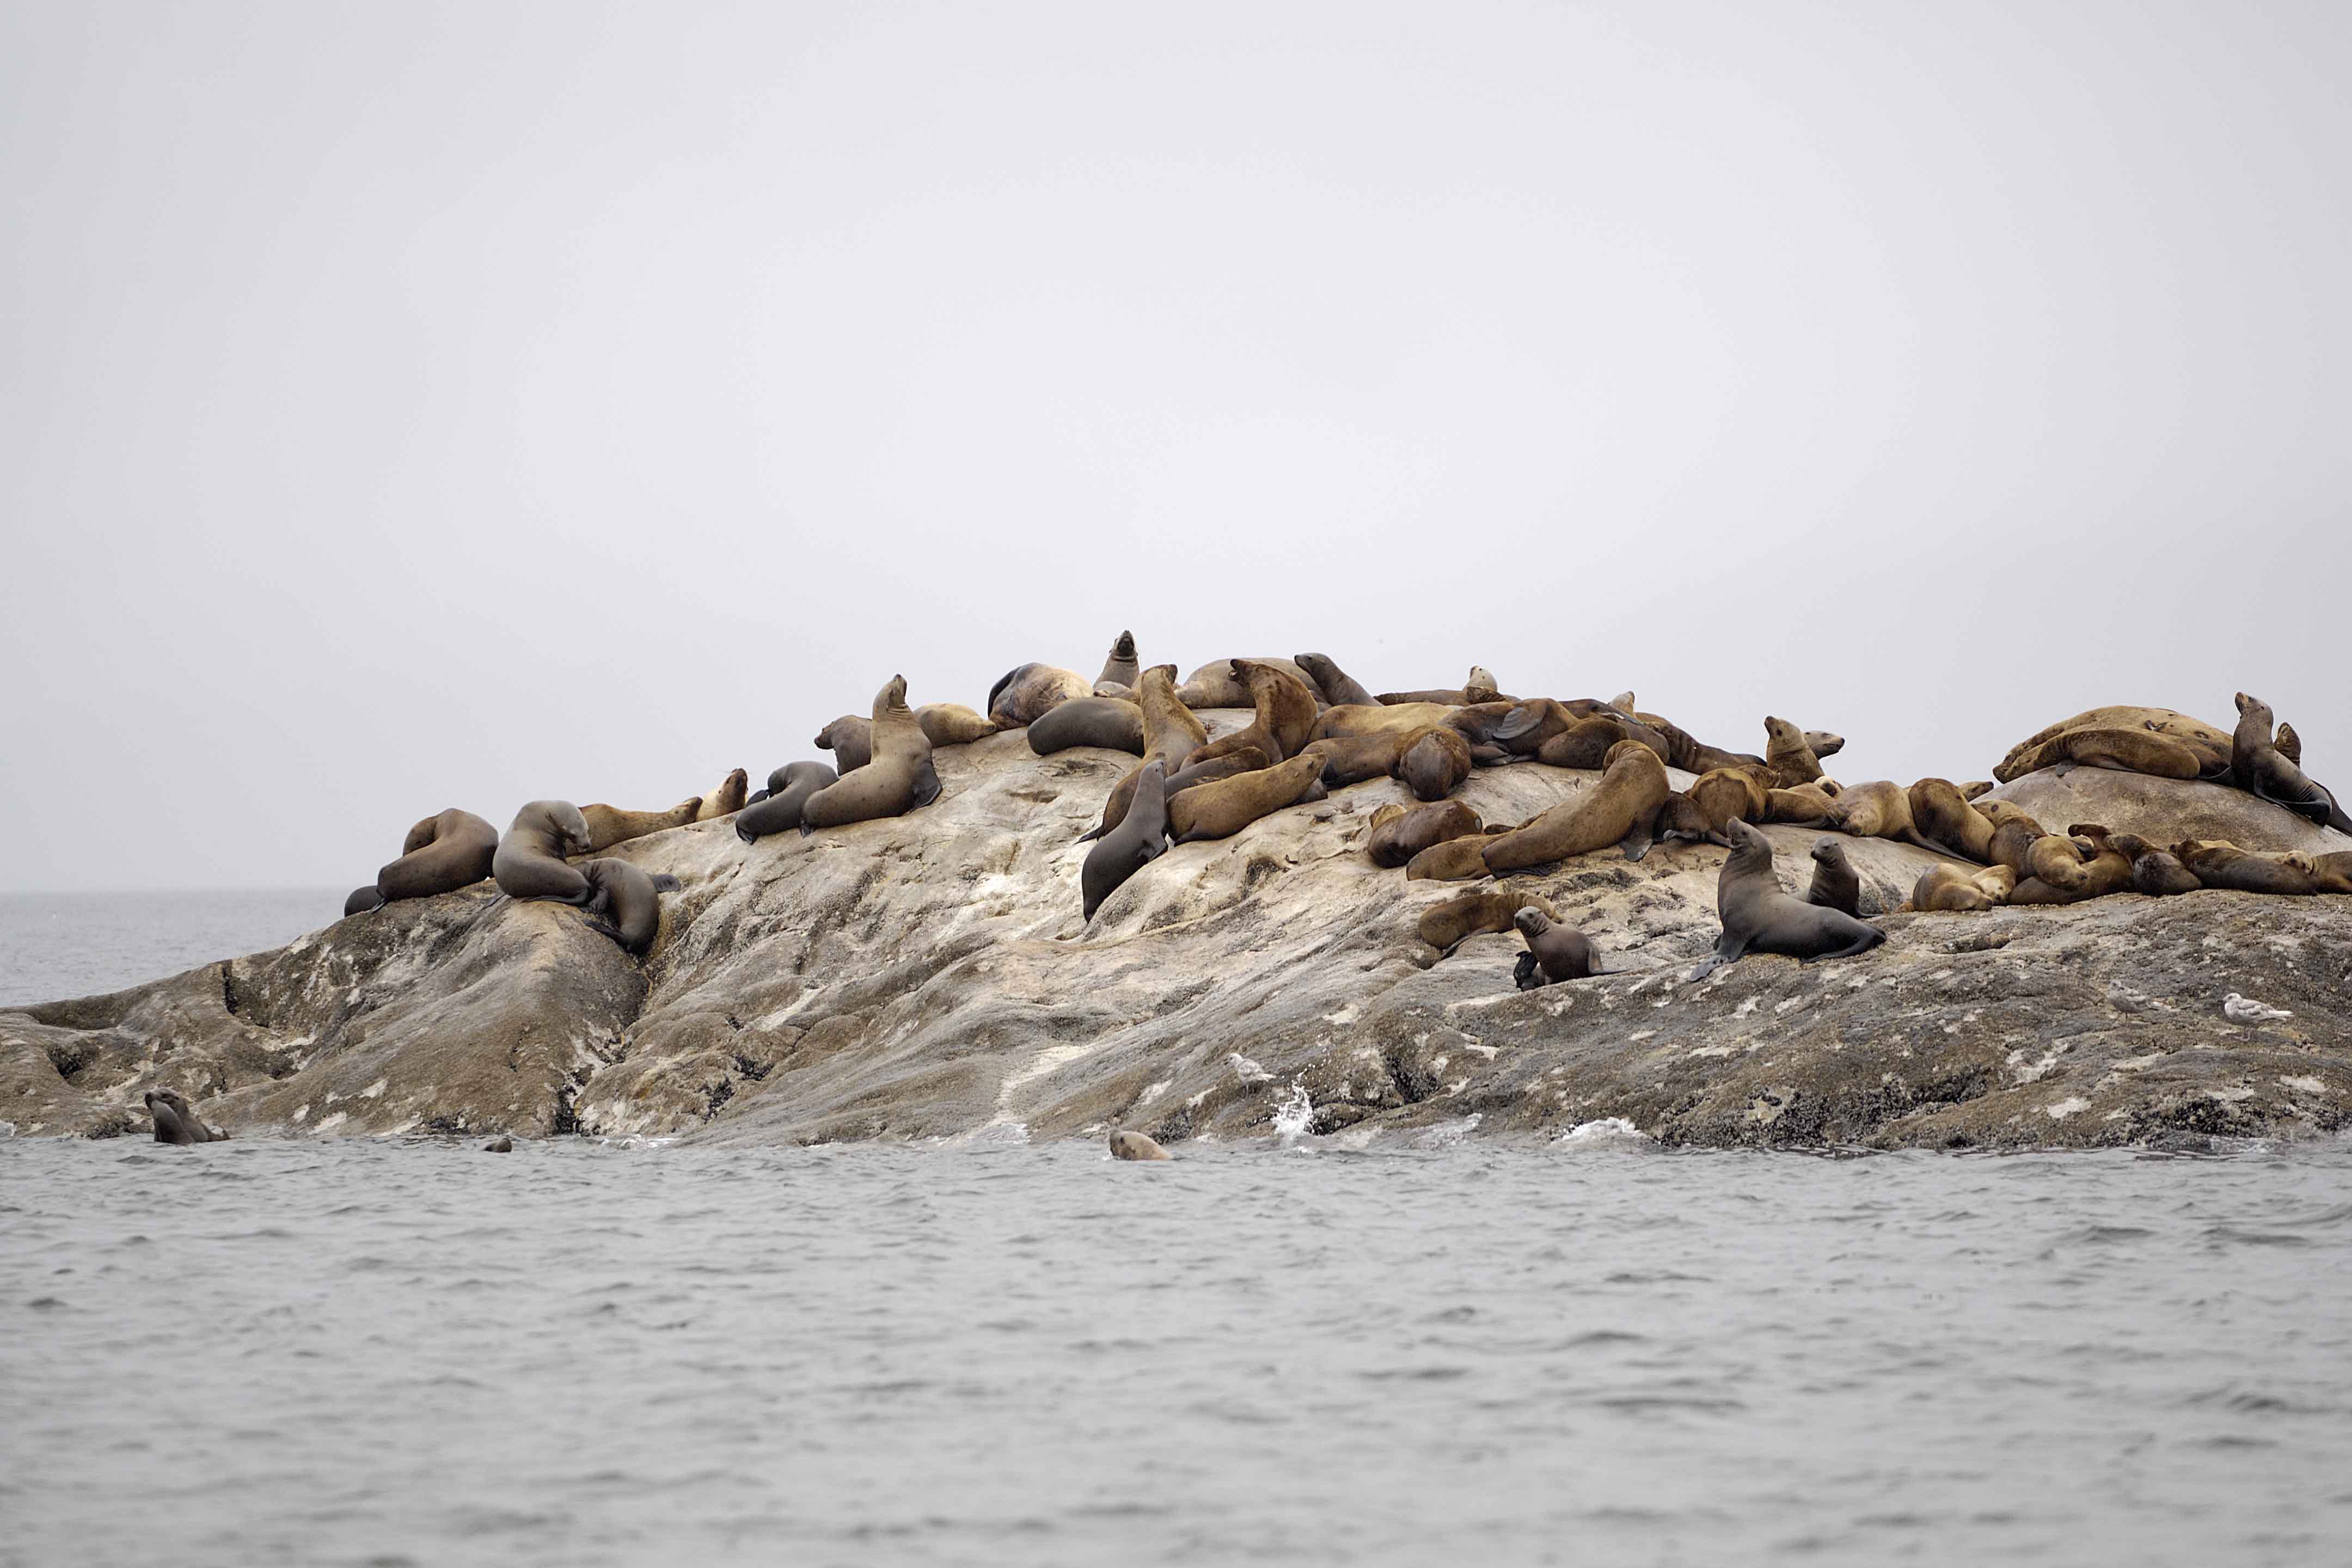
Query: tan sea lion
[[2108, 870], [1433, 763], [2154, 741], [1110, 722], [529, 863], [1170, 731], [440, 855], [1398, 832], [1352, 719], [1217, 685], [1806, 805], [1976, 787], [898, 778], [1222, 809], [1836, 885], [789, 788], [1119, 665], [1125, 1145], [1621, 809], [1758, 917], [2218, 863], [1352, 759], [608, 824], [2262, 770], [1789, 759], [1339, 688], [1478, 687], [1942, 813], [1459, 860], [1946, 887], [1880, 809], [726, 800], [1714, 798], [1285, 718], [850, 739], [1027, 692], [2330, 873], [176, 1122], [1444, 925], [2159, 873], [953, 724], [1249, 759]]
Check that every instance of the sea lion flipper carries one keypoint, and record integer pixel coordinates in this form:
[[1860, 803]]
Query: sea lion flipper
[[1637, 841]]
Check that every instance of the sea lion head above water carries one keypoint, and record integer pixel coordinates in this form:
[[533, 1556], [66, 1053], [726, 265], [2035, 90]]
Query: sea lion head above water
[[175, 1121]]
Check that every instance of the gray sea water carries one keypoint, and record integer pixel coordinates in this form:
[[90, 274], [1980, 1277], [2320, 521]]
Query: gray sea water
[[1592, 1350]]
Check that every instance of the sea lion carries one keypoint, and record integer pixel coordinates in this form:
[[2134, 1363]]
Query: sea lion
[[2331, 872], [1526, 726], [1836, 885], [724, 801], [2218, 863], [1433, 763], [1355, 720], [1444, 925], [1218, 685], [1714, 798], [609, 824], [1337, 685], [2108, 870], [1222, 809], [1621, 809], [1120, 668], [1560, 952], [1285, 718], [1027, 692], [2262, 770], [530, 862], [176, 1122], [2154, 741], [1352, 759], [1946, 887], [1807, 806], [1758, 917], [1400, 832], [1587, 742], [1479, 687], [850, 740], [2289, 744], [502, 1144], [1789, 759], [789, 788], [1824, 743], [898, 778], [1459, 860], [1110, 722], [1942, 813], [1138, 839], [361, 901], [1977, 787], [1249, 759], [2026, 848], [1170, 731], [2159, 873], [1880, 809], [1125, 1145], [952, 724], [440, 855], [627, 900]]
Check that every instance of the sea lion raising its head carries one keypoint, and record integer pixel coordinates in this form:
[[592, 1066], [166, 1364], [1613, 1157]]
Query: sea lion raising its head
[[1560, 952], [176, 1122], [529, 863], [724, 801], [1125, 1145], [898, 778], [850, 739], [1120, 668], [1758, 917], [1836, 885], [2260, 769], [1339, 688]]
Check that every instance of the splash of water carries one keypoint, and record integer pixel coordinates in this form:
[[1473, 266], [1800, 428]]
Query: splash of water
[[1293, 1116], [1607, 1131]]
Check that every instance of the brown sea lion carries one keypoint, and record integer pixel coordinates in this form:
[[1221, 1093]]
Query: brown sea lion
[[2289, 744], [1222, 809], [1400, 832], [1138, 840], [1125, 1145], [609, 824], [1942, 813], [1217, 685], [2155, 740], [1758, 917], [2026, 848], [361, 901], [1249, 759], [1444, 925], [2159, 873], [1352, 719], [1433, 763], [2218, 863], [850, 739], [1946, 887], [1555, 951], [176, 1122], [1339, 688], [1714, 798], [1284, 719], [627, 903], [1587, 742], [1807, 806], [1119, 666], [2262, 770], [1526, 726], [1836, 885], [1621, 809], [529, 863], [2108, 870], [952, 724], [1352, 759], [440, 855], [1110, 722], [789, 788], [1880, 809], [1459, 860], [1478, 687], [1976, 787], [726, 800], [1789, 759], [1170, 731], [2330, 873], [1027, 692], [898, 778]]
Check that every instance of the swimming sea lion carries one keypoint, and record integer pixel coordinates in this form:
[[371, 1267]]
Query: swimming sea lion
[[1284, 716], [789, 788], [1714, 798], [1138, 839], [1432, 762], [176, 1122], [1880, 809], [1217, 684], [1836, 885], [1943, 815], [1110, 722], [2108, 870], [1222, 809], [530, 862], [1027, 692], [2159, 873], [2153, 741], [361, 901], [952, 724], [1444, 925], [2218, 863], [609, 824], [1125, 1145], [440, 855], [1758, 917], [2262, 770], [1560, 952], [850, 740], [627, 898], [1336, 684], [1121, 667], [897, 779], [1400, 833], [724, 801], [1621, 809], [1946, 887]]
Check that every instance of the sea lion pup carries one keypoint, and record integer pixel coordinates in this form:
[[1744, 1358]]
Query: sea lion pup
[[627, 904], [1284, 720], [1714, 798], [1400, 833], [1027, 692], [952, 724], [1433, 763], [898, 778], [1758, 917], [2159, 873], [1126, 849], [530, 862], [441, 853], [176, 1122], [1479, 687], [1941, 813], [2155, 740], [1125, 1145], [1111, 722], [1559, 952], [2260, 769], [609, 824], [2218, 863], [1946, 886], [850, 740], [1249, 759], [1880, 809], [1621, 809], [789, 788], [2289, 744], [2108, 870], [1120, 668], [1216, 685], [1836, 885], [361, 901], [726, 800], [1222, 809], [1445, 925], [1339, 688]]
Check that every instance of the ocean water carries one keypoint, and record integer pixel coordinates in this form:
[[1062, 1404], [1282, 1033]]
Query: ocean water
[[1289, 1351], [56, 945]]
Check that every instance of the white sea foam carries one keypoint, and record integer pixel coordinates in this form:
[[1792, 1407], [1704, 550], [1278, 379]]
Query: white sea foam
[[1610, 1132]]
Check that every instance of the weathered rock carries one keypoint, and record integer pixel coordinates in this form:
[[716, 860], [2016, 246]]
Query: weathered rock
[[933, 977], [2164, 811]]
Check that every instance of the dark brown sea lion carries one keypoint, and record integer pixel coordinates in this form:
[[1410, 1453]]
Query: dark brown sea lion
[[1714, 798], [1027, 692], [952, 724], [850, 740], [1400, 832], [724, 801], [1249, 759], [1433, 763], [1222, 809], [1336, 684], [2159, 873], [2218, 863], [609, 824], [1110, 722], [1943, 815], [176, 1122], [1443, 925], [1459, 860], [1558, 953], [789, 788], [2153, 741], [627, 902], [1621, 809], [897, 779], [440, 855], [1125, 1145], [1119, 666], [1758, 917], [1587, 742], [2260, 769], [1284, 716], [1946, 886], [529, 863], [1138, 840], [1836, 885], [2289, 744]]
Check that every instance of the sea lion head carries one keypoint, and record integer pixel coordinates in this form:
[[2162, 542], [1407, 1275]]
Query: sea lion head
[[892, 698], [1125, 647], [1481, 679], [1749, 848], [1830, 852], [1531, 924], [571, 826], [1824, 742]]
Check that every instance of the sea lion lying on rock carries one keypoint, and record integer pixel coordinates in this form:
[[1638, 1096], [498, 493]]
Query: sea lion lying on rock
[[2108, 870], [1027, 692], [1944, 817], [1456, 860], [1478, 687], [898, 778], [1222, 809], [441, 853], [2021, 844], [2216, 863], [2153, 741], [1445, 925], [1400, 832], [1111, 722], [609, 824], [1283, 719], [1946, 887], [176, 1122], [1218, 684], [529, 863], [2262, 770], [789, 788], [726, 800], [1880, 809], [1715, 797], [1621, 809], [1432, 762], [2159, 873], [627, 904], [1247, 760], [1758, 917], [850, 739]]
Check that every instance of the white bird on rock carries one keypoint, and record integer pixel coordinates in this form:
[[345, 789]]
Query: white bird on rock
[[2245, 1010]]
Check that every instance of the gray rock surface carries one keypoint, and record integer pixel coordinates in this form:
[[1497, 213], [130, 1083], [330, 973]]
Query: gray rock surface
[[929, 977]]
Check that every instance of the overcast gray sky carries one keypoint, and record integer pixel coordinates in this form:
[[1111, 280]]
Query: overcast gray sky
[[405, 405]]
